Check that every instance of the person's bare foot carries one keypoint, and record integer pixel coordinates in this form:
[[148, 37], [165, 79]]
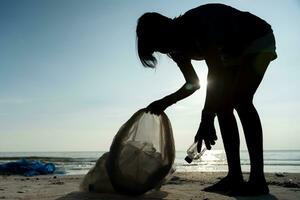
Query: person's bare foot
[[252, 188], [226, 185]]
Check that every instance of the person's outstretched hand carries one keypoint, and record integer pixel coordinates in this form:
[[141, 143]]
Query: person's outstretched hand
[[157, 107], [206, 132]]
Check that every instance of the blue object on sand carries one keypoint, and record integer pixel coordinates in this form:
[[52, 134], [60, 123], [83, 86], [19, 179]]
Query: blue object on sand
[[27, 168]]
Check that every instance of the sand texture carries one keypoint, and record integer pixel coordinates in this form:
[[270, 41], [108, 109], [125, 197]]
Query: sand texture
[[182, 186]]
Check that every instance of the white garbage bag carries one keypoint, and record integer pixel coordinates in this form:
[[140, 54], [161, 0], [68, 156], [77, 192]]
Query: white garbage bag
[[142, 153], [140, 158], [97, 180]]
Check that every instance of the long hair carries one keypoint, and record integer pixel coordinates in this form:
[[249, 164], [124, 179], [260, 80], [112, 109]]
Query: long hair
[[148, 31]]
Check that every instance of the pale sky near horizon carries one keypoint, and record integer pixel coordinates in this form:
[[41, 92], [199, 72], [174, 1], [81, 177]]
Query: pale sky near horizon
[[70, 76]]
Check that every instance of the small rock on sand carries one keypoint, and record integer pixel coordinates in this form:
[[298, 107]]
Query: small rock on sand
[[290, 184], [279, 174], [58, 183], [175, 178]]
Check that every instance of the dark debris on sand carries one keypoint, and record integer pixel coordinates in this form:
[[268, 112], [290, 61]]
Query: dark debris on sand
[[286, 184]]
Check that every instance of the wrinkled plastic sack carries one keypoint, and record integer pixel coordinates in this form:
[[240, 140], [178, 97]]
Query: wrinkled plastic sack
[[97, 180], [142, 153], [140, 158], [27, 168]]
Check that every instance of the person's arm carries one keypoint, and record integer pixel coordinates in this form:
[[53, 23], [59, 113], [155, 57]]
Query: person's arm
[[206, 131], [213, 91], [214, 85], [190, 86], [191, 82]]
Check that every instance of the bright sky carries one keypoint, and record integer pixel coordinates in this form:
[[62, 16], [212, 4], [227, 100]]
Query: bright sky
[[70, 76]]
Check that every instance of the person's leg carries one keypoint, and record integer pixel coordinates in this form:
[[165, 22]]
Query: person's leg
[[249, 78], [231, 142], [225, 80]]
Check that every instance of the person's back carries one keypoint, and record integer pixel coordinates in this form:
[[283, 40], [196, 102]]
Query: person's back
[[225, 27]]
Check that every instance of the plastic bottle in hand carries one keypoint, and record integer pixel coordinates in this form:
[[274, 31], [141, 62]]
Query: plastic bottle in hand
[[192, 153]]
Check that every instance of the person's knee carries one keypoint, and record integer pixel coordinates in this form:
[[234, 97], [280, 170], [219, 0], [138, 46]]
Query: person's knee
[[243, 106]]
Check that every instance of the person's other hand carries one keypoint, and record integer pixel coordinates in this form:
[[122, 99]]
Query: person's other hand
[[206, 133], [157, 107]]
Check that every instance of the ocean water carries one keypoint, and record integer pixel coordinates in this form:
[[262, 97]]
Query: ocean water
[[211, 161]]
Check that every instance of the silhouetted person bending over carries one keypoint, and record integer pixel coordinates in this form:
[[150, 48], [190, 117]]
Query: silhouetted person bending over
[[237, 47]]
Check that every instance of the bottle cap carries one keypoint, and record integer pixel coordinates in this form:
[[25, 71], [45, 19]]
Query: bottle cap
[[188, 159]]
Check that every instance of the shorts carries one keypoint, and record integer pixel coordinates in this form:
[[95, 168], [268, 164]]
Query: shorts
[[263, 45]]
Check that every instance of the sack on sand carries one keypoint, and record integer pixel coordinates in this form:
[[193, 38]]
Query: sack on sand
[[97, 180], [142, 153], [140, 158]]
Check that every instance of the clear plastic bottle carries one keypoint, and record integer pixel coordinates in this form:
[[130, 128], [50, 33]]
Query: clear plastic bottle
[[192, 153]]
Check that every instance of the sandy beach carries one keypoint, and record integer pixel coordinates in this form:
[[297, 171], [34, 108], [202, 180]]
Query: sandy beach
[[181, 186]]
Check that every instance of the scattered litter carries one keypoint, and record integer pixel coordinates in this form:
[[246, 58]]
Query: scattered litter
[[27, 168]]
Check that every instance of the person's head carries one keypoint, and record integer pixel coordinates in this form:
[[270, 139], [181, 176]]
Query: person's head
[[153, 34]]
